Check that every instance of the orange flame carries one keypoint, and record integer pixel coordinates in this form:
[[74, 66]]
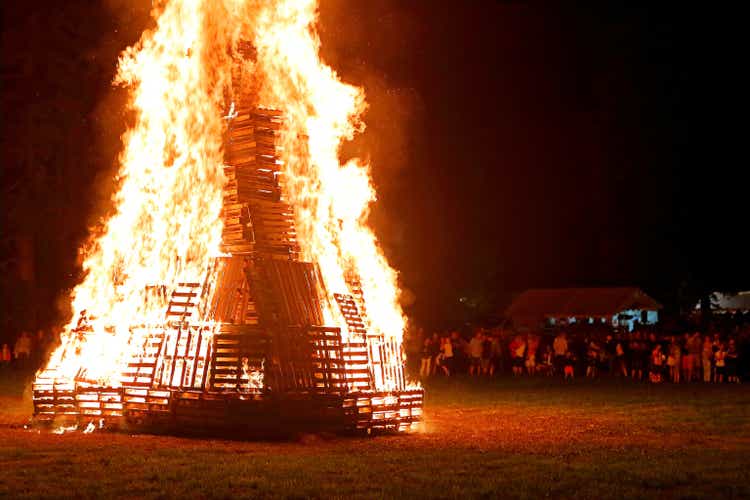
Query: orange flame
[[166, 226], [331, 200]]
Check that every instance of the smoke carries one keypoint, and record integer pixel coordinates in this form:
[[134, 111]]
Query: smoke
[[370, 44], [367, 44], [128, 21], [115, 25]]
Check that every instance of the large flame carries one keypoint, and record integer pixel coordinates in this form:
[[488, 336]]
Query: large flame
[[166, 225], [331, 200]]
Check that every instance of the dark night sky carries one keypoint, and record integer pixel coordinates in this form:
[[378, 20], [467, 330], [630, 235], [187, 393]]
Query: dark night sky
[[513, 144]]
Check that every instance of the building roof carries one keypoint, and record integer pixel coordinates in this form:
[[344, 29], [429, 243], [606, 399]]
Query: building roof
[[570, 302]]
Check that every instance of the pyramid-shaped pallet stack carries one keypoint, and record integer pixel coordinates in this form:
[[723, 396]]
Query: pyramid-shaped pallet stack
[[268, 362]]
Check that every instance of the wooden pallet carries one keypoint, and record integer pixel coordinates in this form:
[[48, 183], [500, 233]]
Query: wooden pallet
[[385, 411], [255, 217], [293, 288], [247, 346], [99, 402], [349, 309], [141, 369], [238, 356], [184, 360], [233, 300], [183, 302], [147, 406], [53, 397], [200, 411]]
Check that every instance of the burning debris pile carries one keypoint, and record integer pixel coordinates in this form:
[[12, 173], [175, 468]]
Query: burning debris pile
[[237, 284]]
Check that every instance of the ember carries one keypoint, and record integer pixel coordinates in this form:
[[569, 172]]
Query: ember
[[237, 283]]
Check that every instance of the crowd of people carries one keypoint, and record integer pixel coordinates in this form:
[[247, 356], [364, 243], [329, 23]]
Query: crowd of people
[[25, 351], [644, 354]]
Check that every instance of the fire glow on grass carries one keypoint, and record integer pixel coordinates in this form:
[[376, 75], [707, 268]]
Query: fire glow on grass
[[166, 226]]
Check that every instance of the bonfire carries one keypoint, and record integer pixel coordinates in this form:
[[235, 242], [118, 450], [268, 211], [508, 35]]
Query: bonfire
[[237, 282]]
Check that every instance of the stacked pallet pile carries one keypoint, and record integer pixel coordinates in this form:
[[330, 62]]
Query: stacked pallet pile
[[255, 217]]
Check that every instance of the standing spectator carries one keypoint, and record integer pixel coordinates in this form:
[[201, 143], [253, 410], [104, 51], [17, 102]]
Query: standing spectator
[[5, 356], [518, 353], [636, 356], [425, 369], [579, 347], [650, 343], [532, 344], [692, 364], [569, 363], [674, 360], [475, 353], [592, 359], [486, 352], [655, 367], [707, 355], [720, 363], [22, 349], [621, 367], [560, 346], [732, 360], [460, 352], [715, 344], [609, 354], [446, 356], [626, 341], [687, 361], [547, 360], [435, 344], [496, 354]]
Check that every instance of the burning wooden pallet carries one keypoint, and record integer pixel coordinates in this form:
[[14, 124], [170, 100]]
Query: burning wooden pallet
[[248, 348]]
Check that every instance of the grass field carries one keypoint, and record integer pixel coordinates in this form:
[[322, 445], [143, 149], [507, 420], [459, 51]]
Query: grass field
[[507, 438]]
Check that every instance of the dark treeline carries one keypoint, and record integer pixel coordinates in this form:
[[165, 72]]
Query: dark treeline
[[61, 128]]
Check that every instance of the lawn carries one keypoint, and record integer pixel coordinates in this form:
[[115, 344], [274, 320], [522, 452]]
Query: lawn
[[509, 438]]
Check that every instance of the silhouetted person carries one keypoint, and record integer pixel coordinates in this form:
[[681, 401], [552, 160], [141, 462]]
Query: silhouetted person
[[22, 349], [5, 356], [560, 346], [425, 369]]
